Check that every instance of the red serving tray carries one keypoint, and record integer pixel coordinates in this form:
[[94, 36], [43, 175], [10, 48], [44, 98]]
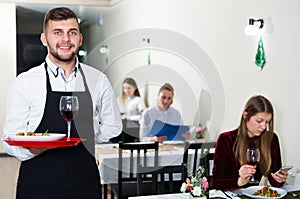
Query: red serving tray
[[45, 144]]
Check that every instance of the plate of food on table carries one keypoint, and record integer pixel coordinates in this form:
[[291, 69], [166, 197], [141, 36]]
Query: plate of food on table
[[264, 192]]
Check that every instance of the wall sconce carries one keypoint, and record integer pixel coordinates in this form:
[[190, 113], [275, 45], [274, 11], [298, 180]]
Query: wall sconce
[[82, 53], [103, 49], [254, 27]]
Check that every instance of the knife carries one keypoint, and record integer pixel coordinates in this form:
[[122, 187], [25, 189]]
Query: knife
[[227, 195]]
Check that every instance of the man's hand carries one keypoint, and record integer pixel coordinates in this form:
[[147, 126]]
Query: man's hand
[[38, 151]]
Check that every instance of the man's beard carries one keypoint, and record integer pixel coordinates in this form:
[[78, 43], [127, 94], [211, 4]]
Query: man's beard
[[58, 57]]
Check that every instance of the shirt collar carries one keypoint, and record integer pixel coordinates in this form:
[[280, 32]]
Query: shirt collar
[[55, 69]]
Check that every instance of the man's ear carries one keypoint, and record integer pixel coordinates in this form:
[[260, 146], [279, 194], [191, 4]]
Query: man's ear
[[245, 114], [43, 39]]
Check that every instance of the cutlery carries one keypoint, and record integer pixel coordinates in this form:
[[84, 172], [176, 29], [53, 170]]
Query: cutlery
[[227, 195], [293, 194]]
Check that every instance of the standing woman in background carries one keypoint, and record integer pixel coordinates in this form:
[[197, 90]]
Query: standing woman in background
[[130, 103]]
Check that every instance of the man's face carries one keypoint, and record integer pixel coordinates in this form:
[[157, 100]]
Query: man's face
[[62, 39], [165, 99]]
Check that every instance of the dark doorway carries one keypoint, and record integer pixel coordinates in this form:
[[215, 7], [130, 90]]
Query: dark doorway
[[30, 52]]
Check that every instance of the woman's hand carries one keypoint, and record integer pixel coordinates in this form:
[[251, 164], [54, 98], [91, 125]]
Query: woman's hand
[[245, 172], [280, 176], [187, 135], [158, 139]]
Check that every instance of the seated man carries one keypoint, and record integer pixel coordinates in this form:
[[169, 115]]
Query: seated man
[[162, 111]]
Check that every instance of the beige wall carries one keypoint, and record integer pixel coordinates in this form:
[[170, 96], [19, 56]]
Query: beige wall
[[7, 55]]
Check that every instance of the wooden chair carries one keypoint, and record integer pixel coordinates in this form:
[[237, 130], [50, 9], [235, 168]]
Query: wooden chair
[[130, 132], [138, 154], [202, 155], [163, 179]]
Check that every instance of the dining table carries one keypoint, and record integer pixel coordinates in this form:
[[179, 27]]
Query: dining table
[[170, 153], [293, 192]]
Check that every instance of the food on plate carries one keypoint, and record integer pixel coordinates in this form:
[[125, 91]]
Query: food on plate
[[29, 133], [267, 191], [46, 133], [20, 134]]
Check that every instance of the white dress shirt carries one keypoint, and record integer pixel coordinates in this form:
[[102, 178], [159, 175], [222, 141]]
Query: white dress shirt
[[27, 96], [132, 108], [171, 116]]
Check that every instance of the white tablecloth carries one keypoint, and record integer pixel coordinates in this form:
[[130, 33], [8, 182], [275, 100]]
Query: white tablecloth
[[163, 196], [108, 160]]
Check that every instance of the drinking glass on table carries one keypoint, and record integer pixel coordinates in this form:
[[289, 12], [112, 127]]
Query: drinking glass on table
[[253, 156], [69, 108]]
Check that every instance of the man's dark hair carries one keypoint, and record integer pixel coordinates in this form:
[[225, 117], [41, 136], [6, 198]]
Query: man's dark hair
[[58, 14]]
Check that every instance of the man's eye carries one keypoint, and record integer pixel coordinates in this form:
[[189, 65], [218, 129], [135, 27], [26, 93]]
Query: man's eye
[[72, 33]]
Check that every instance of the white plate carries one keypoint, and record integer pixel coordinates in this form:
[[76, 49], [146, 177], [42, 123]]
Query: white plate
[[250, 190], [37, 137]]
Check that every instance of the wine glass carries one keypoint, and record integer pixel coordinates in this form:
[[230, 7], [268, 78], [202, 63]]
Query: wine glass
[[253, 156], [69, 107]]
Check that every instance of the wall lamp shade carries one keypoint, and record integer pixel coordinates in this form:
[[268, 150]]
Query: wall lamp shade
[[103, 49], [254, 27]]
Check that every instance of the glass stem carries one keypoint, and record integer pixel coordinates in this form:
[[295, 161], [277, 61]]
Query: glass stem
[[69, 129]]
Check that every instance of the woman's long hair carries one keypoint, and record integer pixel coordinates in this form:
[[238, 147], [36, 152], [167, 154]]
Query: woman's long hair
[[256, 104], [131, 82]]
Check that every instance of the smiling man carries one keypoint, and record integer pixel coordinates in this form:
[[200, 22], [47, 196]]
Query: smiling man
[[33, 105]]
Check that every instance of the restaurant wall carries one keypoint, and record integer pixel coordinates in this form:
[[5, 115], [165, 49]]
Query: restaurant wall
[[218, 27], [7, 56]]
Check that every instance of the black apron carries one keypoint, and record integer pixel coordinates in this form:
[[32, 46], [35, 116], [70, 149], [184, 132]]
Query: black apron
[[63, 173]]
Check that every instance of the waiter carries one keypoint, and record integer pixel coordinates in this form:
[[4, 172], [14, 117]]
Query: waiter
[[33, 105]]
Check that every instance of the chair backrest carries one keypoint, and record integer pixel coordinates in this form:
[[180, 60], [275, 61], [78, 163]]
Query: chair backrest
[[139, 155], [202, 154], [163, 178], [130, 132]]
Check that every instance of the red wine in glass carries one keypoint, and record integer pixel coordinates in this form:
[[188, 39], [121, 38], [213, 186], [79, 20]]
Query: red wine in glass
[[253, 162], [253, 156], [69, 107], [69, 115]]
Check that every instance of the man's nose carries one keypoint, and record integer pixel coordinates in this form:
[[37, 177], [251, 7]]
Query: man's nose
[[66, 37]]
